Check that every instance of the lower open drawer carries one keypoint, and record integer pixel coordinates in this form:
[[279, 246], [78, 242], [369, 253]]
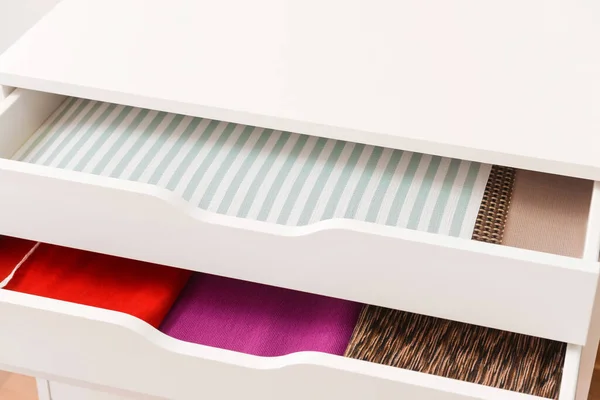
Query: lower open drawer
[[429, 267], [117, 353], [118, 325]]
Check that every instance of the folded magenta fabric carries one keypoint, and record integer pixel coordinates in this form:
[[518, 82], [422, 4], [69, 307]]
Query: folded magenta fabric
[[258, 319]]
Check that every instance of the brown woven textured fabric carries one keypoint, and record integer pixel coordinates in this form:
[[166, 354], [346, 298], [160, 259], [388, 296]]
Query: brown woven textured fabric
[[491, 218], [461, 351]]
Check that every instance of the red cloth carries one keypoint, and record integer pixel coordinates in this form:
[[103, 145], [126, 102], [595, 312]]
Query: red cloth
[[12, 251], [141, 289]]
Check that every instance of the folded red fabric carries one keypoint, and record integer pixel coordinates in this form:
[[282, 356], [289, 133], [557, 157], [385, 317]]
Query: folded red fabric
[[141, 289], [12, 251]]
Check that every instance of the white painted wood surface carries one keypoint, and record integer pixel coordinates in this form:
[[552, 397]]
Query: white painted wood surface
[[500, 287], [62, 391], [591, 252], [570, 373], [17, 16], [511, 82], [21, 114], [85, 345], [43, 389]]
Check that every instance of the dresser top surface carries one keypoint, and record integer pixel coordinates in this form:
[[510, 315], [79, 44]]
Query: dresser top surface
[[514, 82]]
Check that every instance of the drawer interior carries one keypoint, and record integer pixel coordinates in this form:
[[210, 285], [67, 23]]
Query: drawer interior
[[294, 179], [260, 174], [268, 321]]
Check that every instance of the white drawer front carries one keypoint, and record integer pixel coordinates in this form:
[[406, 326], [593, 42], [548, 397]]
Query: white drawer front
[[66, 341]]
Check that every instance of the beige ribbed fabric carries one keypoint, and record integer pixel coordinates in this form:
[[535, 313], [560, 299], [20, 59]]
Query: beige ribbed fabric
[[548, 213]]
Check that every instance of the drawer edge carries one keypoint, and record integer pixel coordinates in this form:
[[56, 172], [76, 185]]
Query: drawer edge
[[90, 346]]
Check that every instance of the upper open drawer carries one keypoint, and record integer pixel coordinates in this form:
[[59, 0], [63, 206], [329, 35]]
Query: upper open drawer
[[511, 83], [364, 223]]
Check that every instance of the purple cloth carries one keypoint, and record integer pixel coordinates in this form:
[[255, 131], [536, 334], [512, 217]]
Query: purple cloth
[[257, 319]]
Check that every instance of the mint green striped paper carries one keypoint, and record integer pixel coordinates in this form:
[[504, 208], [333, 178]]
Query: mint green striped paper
[[261, 174]]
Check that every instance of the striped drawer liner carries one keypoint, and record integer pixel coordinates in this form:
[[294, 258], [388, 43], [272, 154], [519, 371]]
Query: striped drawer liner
[[261, 174]]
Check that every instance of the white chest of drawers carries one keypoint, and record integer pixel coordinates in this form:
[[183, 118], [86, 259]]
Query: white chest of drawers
[[442, 78]]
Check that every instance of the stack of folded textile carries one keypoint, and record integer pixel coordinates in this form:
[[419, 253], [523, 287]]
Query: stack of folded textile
[[144, 290]]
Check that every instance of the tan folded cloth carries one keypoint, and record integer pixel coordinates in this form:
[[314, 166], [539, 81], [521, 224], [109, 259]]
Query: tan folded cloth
[[548, 213]]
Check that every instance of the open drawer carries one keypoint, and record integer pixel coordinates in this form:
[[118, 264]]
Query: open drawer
[[401, 99], [111, 351], [105, 350], [504, 287]]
